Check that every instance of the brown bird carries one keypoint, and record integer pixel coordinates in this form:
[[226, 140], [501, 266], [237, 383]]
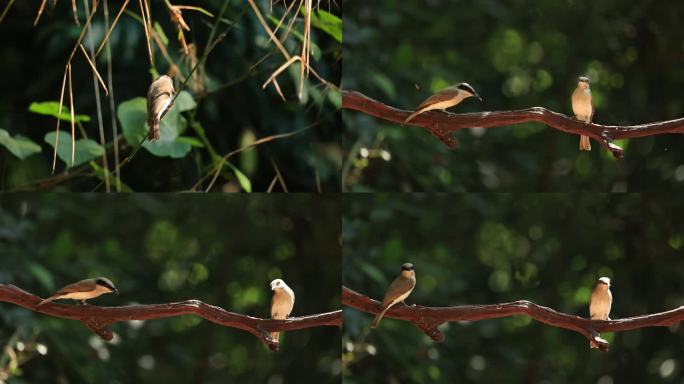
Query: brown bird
[[159, 98], [583, 108], [281, 302], [446, 98], [398, 291], [600, 303], [83, 290]]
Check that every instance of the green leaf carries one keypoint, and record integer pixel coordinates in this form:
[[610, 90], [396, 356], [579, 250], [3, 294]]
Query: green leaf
[[190, 140], [51, 108], [161, 34], [242, 179], [100, 173], [20, 146], [185, 102], [326, 22], [84, 151], [248, 157], [335, 97], [133, 117]]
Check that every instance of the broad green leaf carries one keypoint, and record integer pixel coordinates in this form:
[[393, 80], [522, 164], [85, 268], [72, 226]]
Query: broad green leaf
[[185, 102], [51, 108], [84, 151], [327, 22], [133, 117], [20, 146], [242, 179]]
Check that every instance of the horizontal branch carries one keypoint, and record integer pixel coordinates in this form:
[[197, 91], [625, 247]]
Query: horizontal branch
[[429, 318], [98, 318], [442, 125]]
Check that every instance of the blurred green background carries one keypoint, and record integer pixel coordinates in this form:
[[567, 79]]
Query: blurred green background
[[494, 248], [225, 107], [516, 54], [223, 250]]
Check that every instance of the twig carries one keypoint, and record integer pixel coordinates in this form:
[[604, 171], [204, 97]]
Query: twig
[[4, 12], [98, 104], [225, 158], [99, 318], [111, 28], [442, 125], [110, 82], [429, 318]]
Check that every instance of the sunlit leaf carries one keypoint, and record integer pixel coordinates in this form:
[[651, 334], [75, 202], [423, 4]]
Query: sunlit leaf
[[51, 108], [84, 149]]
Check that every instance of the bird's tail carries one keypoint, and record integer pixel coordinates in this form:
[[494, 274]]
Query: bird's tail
[[585, 143], [154, 129], [49, 299], [414, 114], [378, 317]]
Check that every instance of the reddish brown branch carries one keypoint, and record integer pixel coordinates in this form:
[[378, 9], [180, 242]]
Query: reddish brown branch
[[98, 318], [428, 318], [442, 125]]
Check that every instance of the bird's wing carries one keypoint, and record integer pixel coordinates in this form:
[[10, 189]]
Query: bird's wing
[[399, 286], [593, 109], [79, 286], [443, 95]]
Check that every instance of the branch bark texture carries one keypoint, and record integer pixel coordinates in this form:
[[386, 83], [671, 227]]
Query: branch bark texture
[[442, 125], [428, 319], [98, 318]]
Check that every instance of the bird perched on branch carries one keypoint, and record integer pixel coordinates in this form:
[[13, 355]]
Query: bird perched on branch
[[446, 98], [159, 98], [281, 303], [398, 291], [83, 290], [600, 303], [583, 108]]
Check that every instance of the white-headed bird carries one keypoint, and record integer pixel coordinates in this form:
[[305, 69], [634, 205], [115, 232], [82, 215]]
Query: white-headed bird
[[583, 108]]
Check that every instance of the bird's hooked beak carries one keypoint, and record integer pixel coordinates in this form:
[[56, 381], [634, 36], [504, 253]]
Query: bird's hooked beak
[[478, 97]]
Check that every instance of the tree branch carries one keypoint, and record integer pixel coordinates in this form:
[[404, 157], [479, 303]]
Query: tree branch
[[442, 125], [98, 318], [427, 319]]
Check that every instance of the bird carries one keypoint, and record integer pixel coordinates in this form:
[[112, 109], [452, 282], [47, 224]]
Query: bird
[[398, 291], [446, 98], [281, 303], [159, 98], [599, 305], [583, 108], [83, 290]]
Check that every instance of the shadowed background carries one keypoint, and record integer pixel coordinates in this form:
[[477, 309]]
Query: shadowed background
[[516, 54], [495, 248], [156, 249]]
